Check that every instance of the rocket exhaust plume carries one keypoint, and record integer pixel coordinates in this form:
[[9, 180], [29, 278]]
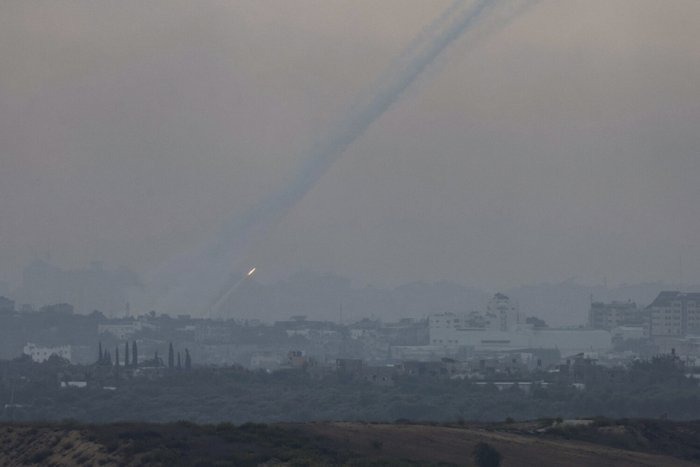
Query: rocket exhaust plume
[[227, 294], [194, 280]]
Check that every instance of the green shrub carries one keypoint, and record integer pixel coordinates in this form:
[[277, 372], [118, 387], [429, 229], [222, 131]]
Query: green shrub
[[40, 456], [486, 455]]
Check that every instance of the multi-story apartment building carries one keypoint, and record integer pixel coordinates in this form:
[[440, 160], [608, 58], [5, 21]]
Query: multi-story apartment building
[[675, 314], [501, 315], [612, 315]]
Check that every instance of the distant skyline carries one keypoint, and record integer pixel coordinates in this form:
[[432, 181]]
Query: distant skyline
[[320, 295], [565, 145]]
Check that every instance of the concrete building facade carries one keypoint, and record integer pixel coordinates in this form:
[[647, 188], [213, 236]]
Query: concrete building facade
[[615, 314], [675, 314]]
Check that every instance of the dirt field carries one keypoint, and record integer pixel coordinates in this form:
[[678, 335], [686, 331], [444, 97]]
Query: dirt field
[[454, 445]]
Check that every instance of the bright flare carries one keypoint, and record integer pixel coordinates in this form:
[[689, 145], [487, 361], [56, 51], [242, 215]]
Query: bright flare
[[251, 272]]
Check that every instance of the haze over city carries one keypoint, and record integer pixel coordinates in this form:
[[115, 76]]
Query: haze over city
[[560, 144]]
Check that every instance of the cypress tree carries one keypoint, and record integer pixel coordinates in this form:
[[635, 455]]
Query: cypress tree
[[127, 362], [171, 357], [116, 356], [188, 360], [134, 355]]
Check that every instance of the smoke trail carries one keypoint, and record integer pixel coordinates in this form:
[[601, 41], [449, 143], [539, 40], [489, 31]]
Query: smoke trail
[[207, 273], [412, 47]]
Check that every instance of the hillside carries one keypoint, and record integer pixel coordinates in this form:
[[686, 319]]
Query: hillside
[[340, 443]]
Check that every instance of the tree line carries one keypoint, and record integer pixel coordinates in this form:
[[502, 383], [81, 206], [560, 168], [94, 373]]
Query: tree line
[[176, 360]]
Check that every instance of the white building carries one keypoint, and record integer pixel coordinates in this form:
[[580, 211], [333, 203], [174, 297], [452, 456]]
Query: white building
[[501, 315], [421, 353], [266, 360], [74, 384], [453, 330], [41, 354], [566, 340], [499, 329], [675, 314], [122, 331]]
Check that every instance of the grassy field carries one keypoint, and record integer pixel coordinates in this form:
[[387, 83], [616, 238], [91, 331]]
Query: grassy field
[[602, 444]]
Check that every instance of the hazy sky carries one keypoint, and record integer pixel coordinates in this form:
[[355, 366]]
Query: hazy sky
[[567, 144]]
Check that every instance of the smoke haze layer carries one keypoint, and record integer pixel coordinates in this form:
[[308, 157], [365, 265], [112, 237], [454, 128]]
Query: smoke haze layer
[[196, 282]]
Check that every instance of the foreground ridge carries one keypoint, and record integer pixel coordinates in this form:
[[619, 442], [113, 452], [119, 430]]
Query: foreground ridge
[[599, 442]]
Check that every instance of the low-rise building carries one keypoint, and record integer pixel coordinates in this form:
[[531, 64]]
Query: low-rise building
[[209, 333], [297, 359], [6, 305], [266, 360], [422, 353], [349, 366], [121, 331], [379, 375], [41, 354], [624, 333], [566, 340], [74, 384]]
